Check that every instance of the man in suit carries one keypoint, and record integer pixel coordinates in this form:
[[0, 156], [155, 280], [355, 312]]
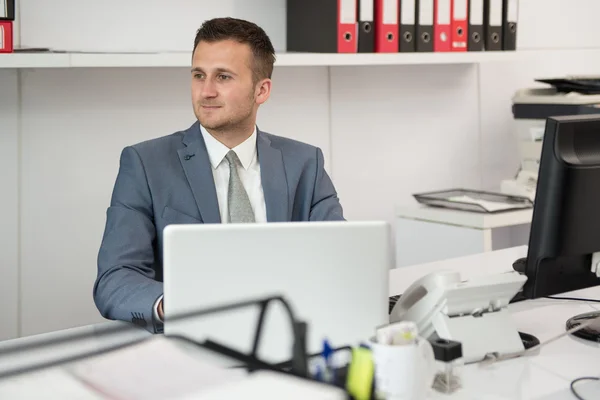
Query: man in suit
[[222, 169]]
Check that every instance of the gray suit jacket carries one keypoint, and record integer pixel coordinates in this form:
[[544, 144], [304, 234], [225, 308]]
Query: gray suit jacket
[[169, 181]]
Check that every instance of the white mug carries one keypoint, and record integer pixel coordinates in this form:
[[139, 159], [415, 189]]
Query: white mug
[[403, 372]]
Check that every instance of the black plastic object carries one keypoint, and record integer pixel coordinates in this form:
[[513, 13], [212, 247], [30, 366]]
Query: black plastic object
[[446, 350], [583, 85], [566, 215], [591, 332], [298, 359], [528, 340]]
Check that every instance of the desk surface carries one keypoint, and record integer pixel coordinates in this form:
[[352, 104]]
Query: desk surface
[[544, 376], [468, 266], [548, 374]]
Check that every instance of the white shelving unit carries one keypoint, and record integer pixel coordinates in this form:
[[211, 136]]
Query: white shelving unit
[[183, 59], [427, 234]]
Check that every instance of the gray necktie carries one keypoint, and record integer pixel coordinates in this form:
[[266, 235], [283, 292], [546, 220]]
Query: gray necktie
[[238, 202]]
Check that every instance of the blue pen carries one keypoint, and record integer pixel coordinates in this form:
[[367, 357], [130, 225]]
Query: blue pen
[[327, 352]]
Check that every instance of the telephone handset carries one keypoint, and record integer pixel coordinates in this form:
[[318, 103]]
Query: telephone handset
[[423, 299], [473, 312]]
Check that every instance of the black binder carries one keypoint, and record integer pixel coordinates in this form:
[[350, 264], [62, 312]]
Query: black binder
[[475, 28], [510, 16], [492, 25], [366, 27], [7, 10], [406, 23], [312, 26], [424, 25]]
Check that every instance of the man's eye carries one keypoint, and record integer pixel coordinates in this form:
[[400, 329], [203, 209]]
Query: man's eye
[[224, 77], [198, 76]]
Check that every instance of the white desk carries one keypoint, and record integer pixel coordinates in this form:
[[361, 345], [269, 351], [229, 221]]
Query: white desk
[[545, 376]]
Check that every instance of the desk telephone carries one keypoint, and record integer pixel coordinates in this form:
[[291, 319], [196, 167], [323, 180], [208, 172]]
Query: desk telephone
[[473, 312]]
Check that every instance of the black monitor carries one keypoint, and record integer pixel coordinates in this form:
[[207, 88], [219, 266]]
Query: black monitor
[[565, 229]]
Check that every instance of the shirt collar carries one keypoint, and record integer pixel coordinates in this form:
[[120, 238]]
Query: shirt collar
[[246, 151]]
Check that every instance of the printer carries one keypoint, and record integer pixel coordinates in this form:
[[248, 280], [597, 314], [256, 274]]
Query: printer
[[530, 108]]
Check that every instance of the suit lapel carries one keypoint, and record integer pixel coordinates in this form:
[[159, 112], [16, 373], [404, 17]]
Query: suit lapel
[[274, 181], [198, 171]]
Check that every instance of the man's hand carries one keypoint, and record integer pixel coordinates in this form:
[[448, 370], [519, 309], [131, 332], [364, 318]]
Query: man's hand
[[160, 310]]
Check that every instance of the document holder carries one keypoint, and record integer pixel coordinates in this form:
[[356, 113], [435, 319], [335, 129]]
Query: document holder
[[297, 364], [474, 200], [589, 85]]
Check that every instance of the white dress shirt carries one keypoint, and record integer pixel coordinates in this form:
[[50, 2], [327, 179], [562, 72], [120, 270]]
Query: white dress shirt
[[249, 173]]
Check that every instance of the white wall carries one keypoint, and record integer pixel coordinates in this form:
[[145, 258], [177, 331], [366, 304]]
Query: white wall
[[558, 24], [399, 130], [386, 132], [499, 82], [138, 25]]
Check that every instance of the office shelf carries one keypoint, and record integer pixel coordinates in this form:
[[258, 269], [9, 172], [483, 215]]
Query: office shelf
[[315, 59], [123, 60], [35, 60], [183, 59]]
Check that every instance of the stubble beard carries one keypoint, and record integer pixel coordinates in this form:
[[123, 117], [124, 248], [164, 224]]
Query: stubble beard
[[236, 124]]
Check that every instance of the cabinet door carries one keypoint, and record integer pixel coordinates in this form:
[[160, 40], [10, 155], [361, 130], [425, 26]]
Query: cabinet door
[[9, 197]]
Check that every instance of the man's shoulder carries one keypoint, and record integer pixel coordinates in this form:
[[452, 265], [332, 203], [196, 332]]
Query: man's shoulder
[[159, 143], [159, 146], [290, 145]]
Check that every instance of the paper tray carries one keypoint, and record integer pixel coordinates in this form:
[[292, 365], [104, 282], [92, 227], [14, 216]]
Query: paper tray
[[474, 200]]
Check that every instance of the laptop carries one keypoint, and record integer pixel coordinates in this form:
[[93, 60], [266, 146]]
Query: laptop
[[333, 274]]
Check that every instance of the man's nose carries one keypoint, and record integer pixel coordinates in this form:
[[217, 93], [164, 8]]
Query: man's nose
[[209, 89]]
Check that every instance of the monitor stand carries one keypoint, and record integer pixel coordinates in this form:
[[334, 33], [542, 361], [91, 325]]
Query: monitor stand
[[591, 333]]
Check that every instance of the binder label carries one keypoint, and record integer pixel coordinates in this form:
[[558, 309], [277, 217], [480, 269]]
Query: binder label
[[407, 12], [443, 12], [347, 11], [366, 10], [426, 12], [512, 13], [476, 12], [495, 12], [1, 37], [460, 10], [390, 12], [3, 9]]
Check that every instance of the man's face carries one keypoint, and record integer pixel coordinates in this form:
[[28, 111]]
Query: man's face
[[223, 92]]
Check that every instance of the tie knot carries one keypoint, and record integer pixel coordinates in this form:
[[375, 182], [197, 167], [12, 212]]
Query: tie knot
[[232, 158]]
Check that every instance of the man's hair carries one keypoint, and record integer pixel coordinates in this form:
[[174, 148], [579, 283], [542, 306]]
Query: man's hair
[[242, 31]]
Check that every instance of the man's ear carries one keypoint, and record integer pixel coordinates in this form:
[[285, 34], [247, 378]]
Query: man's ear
[[263, 91]]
